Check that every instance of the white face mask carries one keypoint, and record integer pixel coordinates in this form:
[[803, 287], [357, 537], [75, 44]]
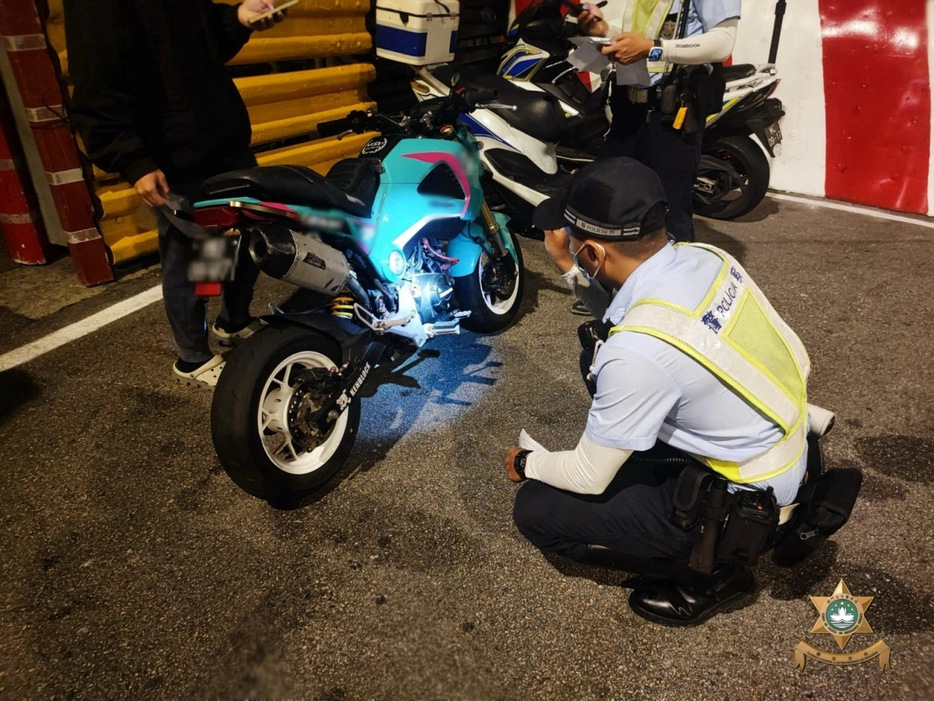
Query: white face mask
[[574, 255]]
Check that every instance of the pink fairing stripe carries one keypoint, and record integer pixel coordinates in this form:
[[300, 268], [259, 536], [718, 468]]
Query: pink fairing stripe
[[456, 166]]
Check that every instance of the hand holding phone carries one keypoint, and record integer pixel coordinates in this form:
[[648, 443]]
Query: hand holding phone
[[262, 14]]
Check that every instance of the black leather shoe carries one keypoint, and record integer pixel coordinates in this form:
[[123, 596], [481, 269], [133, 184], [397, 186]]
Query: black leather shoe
[[674, 604]]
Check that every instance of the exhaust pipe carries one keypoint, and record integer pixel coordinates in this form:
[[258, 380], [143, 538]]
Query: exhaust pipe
[[299, 258]]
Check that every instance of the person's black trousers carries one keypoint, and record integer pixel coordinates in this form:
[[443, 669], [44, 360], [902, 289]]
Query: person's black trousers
[[631, 518], [187, 313], [672, 154]]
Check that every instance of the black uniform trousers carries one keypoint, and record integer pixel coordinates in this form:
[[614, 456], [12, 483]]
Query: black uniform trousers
[[631, 518], [671, 153]]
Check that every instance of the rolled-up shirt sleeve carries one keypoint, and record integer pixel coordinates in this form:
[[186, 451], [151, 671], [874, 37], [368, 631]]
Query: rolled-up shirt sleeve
[[588, 469], [634, 396]]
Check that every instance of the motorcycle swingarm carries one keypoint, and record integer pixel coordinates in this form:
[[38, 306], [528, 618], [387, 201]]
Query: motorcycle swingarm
[[349, 385]]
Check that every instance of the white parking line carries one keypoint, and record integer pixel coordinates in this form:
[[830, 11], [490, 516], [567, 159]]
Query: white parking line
[[853, 209], [54, 340]]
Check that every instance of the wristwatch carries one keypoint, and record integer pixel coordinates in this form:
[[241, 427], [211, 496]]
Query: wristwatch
[[518, 463], [655, 53]]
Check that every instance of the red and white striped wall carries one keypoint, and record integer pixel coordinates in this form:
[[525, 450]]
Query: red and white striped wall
[[857, 94]]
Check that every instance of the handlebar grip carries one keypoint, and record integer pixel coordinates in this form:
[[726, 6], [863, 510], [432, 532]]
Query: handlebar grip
[[335, 126], [474, 96]]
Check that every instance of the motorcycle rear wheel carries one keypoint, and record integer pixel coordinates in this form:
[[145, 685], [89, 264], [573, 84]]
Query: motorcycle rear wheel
[[733, 197], [253, 415], [491, 310]]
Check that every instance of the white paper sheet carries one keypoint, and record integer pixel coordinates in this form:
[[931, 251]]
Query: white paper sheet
[[633, 74], [526, 442], [587, 56]]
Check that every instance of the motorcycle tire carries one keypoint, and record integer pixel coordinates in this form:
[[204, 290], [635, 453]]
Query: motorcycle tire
[[249, 416], [732, 200], [490, 312]]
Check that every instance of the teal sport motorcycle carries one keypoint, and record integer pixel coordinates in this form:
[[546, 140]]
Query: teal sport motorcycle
[[390, 249]]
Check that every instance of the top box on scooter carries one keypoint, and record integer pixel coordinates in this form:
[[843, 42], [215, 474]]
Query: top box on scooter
[[417, 32]]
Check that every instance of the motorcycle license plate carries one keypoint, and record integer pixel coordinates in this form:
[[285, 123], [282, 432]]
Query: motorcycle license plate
[[214, 259], [773, 133]]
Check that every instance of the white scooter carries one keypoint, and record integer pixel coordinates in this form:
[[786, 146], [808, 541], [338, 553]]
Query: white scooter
[[553, 124]]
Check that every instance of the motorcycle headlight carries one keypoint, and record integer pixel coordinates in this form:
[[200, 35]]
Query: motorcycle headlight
[[397, 263]]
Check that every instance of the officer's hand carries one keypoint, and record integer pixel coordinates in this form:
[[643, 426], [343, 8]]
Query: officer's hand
[[629, 47], [557, 244], [253, 8], [153, 188], [510, 459], [590, 22]]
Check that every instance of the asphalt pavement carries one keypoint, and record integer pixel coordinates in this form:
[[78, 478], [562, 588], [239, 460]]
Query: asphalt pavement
[[133, 568]]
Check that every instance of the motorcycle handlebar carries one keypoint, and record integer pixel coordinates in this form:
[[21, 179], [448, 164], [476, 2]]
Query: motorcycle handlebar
[[475, 96]]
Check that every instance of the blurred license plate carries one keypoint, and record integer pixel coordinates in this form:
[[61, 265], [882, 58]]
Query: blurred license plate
[[214, 259], [773, 133]]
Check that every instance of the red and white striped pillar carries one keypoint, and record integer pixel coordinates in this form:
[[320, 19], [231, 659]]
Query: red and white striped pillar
[[22, 37], [19, 218]]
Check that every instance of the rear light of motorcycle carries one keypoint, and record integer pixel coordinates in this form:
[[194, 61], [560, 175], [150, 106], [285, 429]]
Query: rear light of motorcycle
[[208, 289], [217, 217]]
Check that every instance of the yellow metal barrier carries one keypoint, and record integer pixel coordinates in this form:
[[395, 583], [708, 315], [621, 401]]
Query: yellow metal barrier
[[282, 105]]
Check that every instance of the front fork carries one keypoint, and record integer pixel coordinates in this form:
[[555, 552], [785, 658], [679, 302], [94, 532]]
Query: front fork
[[493, 233]]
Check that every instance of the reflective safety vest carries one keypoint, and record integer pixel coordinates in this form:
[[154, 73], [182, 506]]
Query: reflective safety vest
[[647, 17], [737, 335]]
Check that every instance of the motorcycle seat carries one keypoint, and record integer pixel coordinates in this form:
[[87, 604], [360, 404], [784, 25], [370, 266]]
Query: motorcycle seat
[[738, 71], [539, 115], [286, 184]]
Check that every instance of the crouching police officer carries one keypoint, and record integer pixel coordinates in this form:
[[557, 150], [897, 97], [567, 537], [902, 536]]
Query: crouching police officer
[[697, 360]]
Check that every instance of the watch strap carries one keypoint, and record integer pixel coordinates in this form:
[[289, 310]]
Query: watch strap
[[518, 463]]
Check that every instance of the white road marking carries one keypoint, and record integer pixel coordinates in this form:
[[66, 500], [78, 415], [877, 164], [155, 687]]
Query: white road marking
[[853, 209], [70, 333]]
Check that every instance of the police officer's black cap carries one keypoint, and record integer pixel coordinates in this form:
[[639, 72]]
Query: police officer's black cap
[[612, 199]]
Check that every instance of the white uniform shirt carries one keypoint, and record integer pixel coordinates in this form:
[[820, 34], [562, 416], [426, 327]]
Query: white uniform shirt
[[648, 390]]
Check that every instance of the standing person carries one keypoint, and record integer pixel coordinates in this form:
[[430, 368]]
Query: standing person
[[696, 359], [682, 73], [153, 101]]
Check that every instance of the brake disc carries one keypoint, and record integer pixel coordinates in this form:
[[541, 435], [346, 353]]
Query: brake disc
[[314, 388]]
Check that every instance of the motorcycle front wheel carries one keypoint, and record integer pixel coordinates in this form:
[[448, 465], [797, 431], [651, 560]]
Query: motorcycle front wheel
[[493, 291], [269, 387], [732, 179]]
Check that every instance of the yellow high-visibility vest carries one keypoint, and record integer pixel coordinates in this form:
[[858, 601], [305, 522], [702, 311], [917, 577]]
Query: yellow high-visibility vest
[[737, 335], [647, 17]]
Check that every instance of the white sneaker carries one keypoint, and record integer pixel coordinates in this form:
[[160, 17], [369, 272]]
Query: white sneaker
[[225, 338], [205, 376]]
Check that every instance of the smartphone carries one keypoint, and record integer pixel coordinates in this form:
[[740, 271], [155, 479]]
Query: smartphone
[[270, 13]]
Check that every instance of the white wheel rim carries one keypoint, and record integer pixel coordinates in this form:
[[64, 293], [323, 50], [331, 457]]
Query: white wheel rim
[[502, 306], [272, 412]]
